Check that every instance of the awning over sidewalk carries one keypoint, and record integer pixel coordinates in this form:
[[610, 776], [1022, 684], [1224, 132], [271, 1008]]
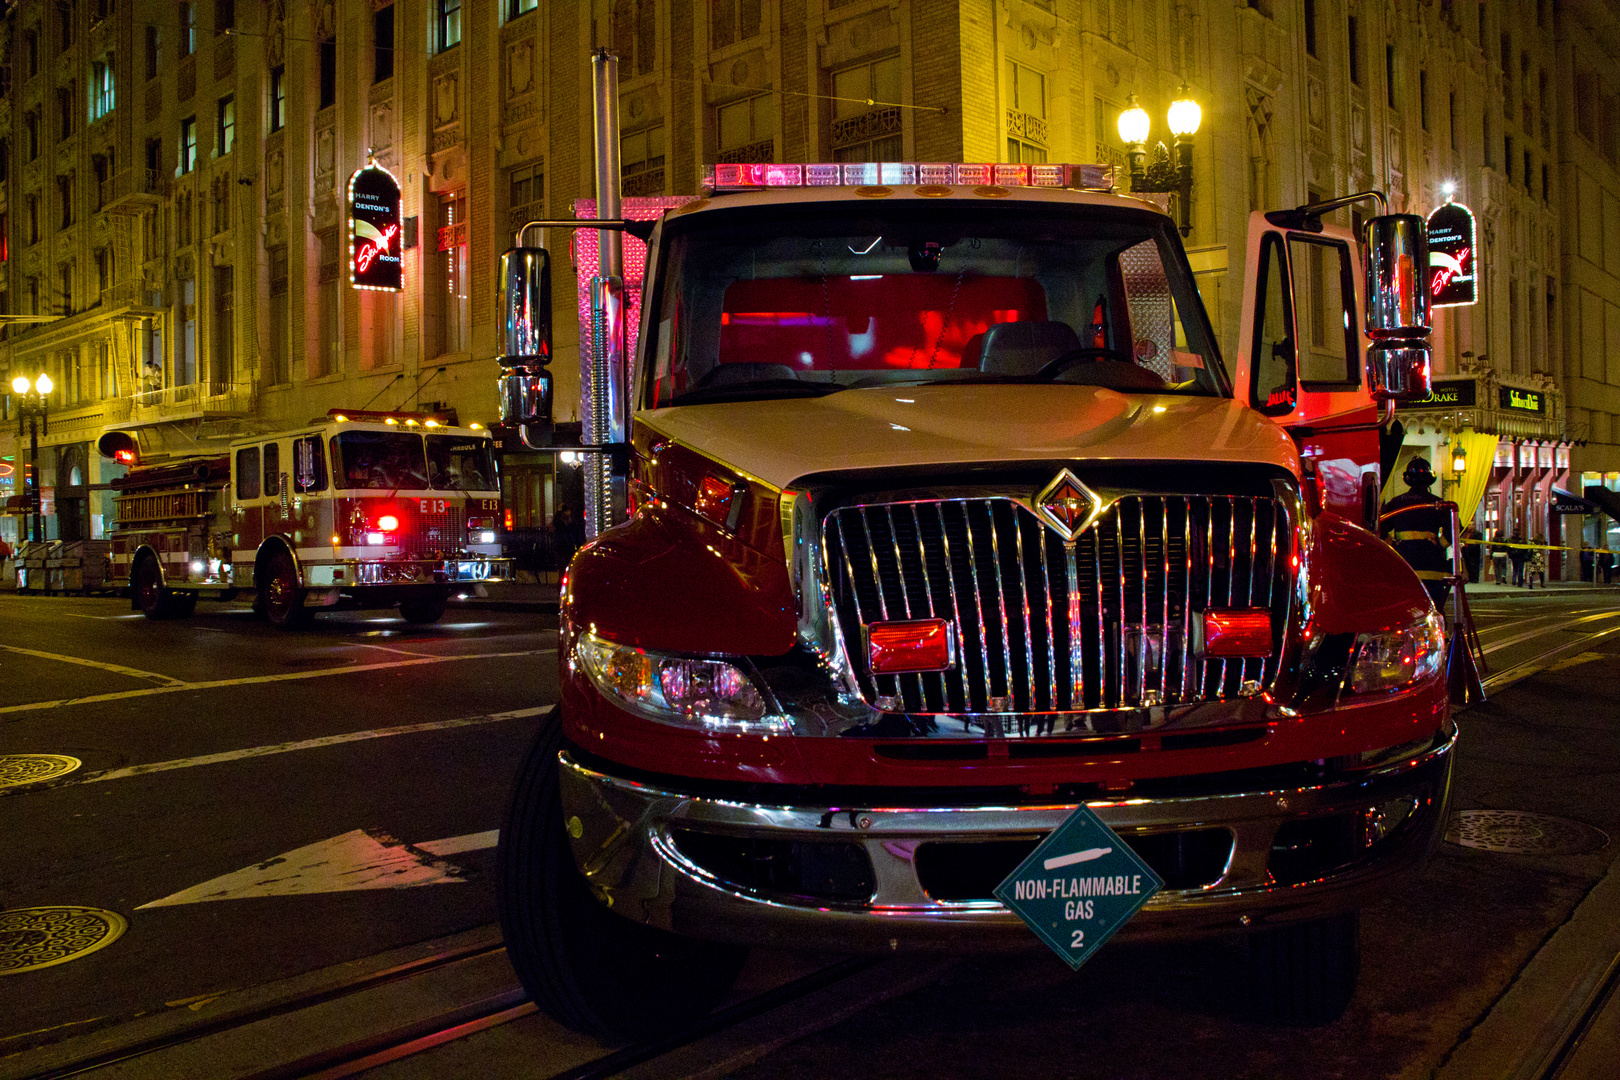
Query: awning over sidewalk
[[1608, 501]]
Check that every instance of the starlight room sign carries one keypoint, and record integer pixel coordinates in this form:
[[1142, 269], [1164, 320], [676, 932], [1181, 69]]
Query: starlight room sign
[[1453, 257], [374, 230]]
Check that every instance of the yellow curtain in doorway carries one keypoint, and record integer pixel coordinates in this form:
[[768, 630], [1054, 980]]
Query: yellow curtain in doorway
[[1481, 451]]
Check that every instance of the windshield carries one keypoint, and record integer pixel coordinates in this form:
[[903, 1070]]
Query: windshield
[[795, 301], [379, 459], [460, 463]]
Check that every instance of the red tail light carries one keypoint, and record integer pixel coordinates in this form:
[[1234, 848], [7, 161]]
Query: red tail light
[[509, 519], [915, 645], [1237, 632], [719, 501], [388, 523]]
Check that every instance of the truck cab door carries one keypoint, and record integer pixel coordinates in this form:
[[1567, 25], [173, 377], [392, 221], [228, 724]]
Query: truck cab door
[[1301, 350]]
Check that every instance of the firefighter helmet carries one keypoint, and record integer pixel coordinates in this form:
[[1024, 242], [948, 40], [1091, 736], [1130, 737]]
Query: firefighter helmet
[[1418, 473]]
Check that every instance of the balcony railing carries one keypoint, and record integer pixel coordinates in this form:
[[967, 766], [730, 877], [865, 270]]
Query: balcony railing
[[129, 190], [181, 402]]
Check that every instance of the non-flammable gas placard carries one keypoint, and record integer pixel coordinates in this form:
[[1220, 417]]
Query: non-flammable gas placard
[[1079, 885]]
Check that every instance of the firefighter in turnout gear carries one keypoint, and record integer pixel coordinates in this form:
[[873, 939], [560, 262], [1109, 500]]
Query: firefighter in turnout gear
[[1420, 532]]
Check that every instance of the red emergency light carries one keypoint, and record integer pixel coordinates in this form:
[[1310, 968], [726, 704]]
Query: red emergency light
[[911, 645], [1237, 632], [746, 176]]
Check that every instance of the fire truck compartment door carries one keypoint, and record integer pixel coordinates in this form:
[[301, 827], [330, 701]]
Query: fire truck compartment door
[[1300, 341]]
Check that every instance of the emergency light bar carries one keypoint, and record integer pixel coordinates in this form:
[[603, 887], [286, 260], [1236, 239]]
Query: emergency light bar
[[751, 176], [411, 419]]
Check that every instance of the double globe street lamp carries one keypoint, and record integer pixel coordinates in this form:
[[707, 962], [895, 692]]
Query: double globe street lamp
[[33, 414], [1163, 175]]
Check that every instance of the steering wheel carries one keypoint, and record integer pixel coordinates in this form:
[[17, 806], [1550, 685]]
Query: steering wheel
[[1063, 363]]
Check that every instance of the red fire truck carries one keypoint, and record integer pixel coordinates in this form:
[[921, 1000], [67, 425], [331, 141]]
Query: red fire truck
[[927, 512], [355, 510]]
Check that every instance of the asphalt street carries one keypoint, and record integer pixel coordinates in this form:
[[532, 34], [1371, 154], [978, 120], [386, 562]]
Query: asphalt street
[[213, 748]]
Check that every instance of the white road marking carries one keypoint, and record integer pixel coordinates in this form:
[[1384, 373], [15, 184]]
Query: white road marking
[[1060, 861], [305, 744], [360, 859], [118, 669], [290, 676]]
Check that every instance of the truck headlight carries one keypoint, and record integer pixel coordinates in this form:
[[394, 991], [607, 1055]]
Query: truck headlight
[[1393, 659], [706, 695]]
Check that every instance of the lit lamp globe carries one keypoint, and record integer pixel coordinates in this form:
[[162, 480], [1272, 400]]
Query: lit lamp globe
[[19, 385], [1185, 115], [1133, 124], [1459, 460], [43, 384]]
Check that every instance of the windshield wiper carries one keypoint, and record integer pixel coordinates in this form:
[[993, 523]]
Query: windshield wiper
[[757, 391]]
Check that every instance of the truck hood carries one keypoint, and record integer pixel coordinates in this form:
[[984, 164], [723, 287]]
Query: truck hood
[[779, 441]]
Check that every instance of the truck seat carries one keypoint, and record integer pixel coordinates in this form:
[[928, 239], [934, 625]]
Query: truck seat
[[1021, 348]]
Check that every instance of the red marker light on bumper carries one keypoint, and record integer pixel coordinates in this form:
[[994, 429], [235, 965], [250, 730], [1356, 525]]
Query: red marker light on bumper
[[1237, 632], [916, 645], [388, 523]]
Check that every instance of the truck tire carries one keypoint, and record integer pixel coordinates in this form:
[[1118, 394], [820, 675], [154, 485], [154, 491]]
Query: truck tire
[[591, 969], [423, 609], [283, 599], [1305, 973], [154, 600]]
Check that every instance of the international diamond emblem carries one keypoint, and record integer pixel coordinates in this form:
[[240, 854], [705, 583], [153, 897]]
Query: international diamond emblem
[[1068, 505]]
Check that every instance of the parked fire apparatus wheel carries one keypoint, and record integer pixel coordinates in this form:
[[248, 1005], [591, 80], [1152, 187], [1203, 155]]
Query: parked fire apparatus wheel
[[1305, 973], [423, 609], [591, 969], [155, 601], [283, 599]]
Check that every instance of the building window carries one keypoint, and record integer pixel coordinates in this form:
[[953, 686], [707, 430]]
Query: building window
[[324, 358], [1026, 113], [5, 160], [101, 169], [188, 144], [1527, 173], [65, 110], [182, 218], [31, 51], [188, 29], [31, 134], [527, 192], [1310, 27], [278, 97], [222, 356], [747, 129], [64, 23], [224, 15], [154, 52], [222, 203], [641, 162], [1451, 111], [449, 23], [731, 21], [382, 44], [514, 8], [64, 194], [102, 97], [104, 270], [31, 204], [276, 371], [65, 273], [635, 35], [1423, 98], [862, 132], [452, 287], [1389, 74], [1546, 187], [1355, 51], [328, 88], [225, 136]]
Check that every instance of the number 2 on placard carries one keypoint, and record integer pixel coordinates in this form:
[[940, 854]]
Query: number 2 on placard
[[1079, 936]]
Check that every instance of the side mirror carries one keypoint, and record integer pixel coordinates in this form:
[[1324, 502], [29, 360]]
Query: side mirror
[[1398, 307], [525, 387]]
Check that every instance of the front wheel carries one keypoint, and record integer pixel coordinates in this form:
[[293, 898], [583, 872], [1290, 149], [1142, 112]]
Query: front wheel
[[591, 969], [1305, 973], [423, 609], [151, 596], [283, 598]]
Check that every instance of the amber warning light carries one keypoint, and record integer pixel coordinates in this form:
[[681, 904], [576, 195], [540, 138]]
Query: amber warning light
[[1237, 632], [913, 645]]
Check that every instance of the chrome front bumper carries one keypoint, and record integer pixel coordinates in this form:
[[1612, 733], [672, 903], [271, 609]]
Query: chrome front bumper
[[623, 841]]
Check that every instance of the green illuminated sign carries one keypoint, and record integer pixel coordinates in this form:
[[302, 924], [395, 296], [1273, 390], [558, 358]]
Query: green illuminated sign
[[1511, 397]]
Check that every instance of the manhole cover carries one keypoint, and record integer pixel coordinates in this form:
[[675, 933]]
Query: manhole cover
[[1519, 832], [40, 937], [19, 769]]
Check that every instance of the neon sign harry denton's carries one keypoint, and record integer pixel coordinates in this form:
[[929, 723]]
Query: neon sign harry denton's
[[375, 244], [1453, 257]]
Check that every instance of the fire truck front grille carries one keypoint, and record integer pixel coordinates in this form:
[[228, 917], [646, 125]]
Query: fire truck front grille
[[1040, 625], [433, 531]]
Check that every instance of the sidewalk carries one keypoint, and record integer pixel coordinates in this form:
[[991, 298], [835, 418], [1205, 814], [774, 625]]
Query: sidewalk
[[1491, 589]]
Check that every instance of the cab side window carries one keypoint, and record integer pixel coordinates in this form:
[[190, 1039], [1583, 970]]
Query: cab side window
[[272, 468], [247, 473], [1325, 293], [1274, 389], [309, 465]]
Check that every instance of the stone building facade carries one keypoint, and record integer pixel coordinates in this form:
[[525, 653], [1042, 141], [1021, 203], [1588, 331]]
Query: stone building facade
[[174, 177]]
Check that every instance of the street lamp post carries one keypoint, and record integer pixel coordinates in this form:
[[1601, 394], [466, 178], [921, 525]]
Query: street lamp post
[[1163, 175], [34, 413]]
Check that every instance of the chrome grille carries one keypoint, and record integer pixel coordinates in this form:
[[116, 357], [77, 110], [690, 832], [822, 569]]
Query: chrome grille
[[427, 533], [1044, 626]]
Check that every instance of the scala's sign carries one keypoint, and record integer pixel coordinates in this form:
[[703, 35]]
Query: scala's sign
[[1522, 400], [1453, 257], [375, 260]]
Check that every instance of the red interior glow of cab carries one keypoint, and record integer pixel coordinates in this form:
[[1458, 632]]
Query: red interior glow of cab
[[913, 645], [714, 499], [1237, 632]]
